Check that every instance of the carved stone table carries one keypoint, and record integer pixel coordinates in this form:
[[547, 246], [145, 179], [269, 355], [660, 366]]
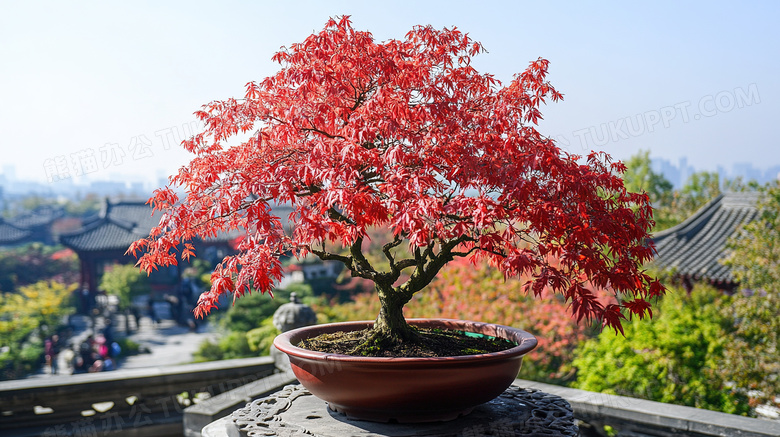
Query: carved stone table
[[293, 411]]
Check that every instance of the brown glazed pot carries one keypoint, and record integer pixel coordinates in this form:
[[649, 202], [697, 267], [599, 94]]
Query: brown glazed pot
[[406, 389]]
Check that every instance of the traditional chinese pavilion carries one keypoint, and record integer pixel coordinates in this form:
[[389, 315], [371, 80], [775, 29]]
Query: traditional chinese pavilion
[[104, 239], [11, 235], [30, 226], [39, 222], [694, 249]]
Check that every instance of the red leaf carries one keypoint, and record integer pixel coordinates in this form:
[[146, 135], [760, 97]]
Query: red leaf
[[404, 135]]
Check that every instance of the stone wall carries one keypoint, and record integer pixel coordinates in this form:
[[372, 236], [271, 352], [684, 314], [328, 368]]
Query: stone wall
[[152, 402], [143, 402], [641, 418]]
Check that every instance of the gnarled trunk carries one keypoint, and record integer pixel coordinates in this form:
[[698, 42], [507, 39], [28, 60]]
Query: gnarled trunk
[[390, 327], [390, 323]]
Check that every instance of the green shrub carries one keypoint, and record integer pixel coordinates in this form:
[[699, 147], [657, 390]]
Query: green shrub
[[673, 358], [128, 347], [126, 282], [208, 351], [752, 357], [260, 339], [233, 345], [24, 318], [249, 326], [250, 311]]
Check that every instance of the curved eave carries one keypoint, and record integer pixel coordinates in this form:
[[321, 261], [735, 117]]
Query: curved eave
[[696, 247], [10, 234]]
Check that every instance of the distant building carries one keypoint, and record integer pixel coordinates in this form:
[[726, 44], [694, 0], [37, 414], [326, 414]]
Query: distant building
[[30, 226], [311, 269], [11, 235], [39, 223], [104, 239], [694, 249]]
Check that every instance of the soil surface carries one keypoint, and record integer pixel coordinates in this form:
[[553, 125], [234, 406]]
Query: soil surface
[[431, 343]]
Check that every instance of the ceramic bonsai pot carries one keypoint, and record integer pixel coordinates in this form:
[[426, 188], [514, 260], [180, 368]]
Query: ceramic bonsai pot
[[406, 389]]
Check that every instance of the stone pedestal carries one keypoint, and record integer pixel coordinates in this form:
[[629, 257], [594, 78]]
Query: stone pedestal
[[293, 411]]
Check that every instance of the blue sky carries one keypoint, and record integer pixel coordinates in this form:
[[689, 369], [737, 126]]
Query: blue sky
[[108, 89]]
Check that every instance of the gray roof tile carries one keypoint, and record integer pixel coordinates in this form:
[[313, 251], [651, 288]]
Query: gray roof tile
[[10, 234], [695, 247], [115, 228], [120, 224], [41, 216]]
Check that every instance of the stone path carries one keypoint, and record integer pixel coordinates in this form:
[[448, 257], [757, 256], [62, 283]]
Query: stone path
[[166, 343]]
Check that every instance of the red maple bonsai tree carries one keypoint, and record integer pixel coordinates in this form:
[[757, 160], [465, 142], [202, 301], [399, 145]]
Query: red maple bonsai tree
[[405, 135]]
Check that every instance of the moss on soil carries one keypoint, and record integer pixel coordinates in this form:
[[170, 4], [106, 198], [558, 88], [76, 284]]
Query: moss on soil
[[431, 343]]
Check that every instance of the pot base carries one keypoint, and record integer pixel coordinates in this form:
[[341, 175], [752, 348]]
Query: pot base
[[294, 411]]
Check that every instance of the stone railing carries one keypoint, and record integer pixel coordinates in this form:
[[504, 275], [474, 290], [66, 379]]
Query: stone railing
[[198, 416], [641, 418], [152, 402], [627, 416], [143, 402]]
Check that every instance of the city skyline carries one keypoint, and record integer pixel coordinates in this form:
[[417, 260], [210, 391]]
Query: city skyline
[[104, 89], [10, 183]]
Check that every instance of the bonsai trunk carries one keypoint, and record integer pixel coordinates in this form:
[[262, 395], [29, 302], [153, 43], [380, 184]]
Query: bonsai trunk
[[390, 326]]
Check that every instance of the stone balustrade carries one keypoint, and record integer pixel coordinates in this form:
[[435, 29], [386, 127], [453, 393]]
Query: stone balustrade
[[642, 418], [626, 416], [144, 402], [160, 401]]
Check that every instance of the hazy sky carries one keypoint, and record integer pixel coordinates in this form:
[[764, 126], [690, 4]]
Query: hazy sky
[[109, 88]]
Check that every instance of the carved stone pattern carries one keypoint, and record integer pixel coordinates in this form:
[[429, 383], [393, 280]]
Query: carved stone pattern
[[293, 411]]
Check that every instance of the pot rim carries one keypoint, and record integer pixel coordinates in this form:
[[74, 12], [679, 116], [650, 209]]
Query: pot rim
[[284, 342]]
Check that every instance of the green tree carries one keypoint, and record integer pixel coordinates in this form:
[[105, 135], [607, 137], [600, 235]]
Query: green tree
[[89, 204], [755, 250], [675, 359], [26, 317], [125, 282], [752, 358], [739, 184], [639, 176], [700, 188]]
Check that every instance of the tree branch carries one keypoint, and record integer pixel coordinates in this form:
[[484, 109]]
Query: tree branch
[[389, 246], [335, 214], [429, 264], [321, 132], [360, 263], [327, 256]]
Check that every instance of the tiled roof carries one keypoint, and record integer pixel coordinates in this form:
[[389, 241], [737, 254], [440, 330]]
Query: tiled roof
[[10, 234], [120, 224], [106, 235], [41, 216], [115, 228], [695, 247]]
